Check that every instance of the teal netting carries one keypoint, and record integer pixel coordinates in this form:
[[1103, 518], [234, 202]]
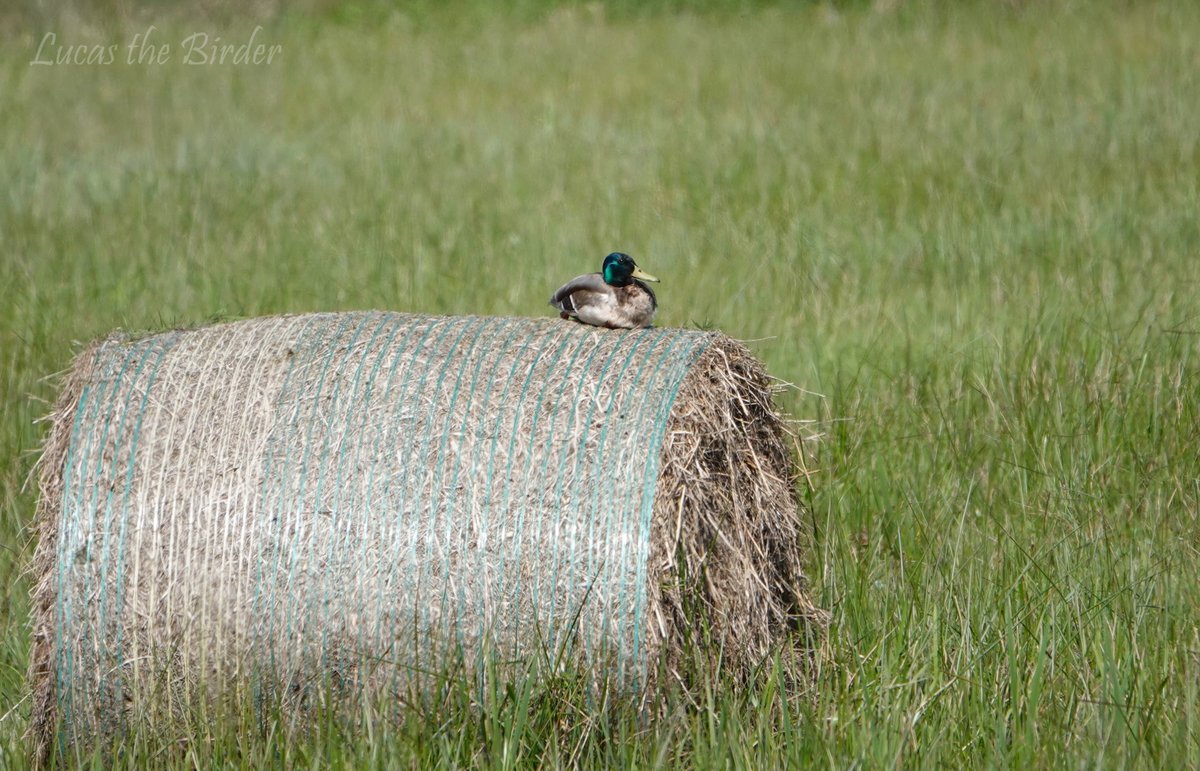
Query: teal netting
[[356, 493]]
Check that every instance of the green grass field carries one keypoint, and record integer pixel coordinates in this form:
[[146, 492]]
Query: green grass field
[[968, 232]]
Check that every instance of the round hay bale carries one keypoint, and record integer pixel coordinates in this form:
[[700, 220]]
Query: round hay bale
[[282, 504]]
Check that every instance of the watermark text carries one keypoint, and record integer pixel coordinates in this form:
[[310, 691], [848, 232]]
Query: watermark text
[[151, 48]]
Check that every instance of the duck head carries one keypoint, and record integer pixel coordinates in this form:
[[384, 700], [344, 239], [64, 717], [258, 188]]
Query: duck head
[[620, 270]]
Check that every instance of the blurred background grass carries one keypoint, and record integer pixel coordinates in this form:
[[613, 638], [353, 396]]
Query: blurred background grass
[[968, 231]]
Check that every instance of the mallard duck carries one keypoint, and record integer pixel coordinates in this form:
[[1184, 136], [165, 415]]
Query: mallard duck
[[615, 297]]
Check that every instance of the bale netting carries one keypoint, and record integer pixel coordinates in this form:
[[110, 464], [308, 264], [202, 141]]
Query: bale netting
[[258, 509]]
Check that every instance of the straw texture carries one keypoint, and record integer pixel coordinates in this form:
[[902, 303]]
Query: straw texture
[[264, 508]]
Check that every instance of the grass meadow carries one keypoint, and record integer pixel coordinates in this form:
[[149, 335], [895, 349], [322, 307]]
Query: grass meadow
[[969, 233]]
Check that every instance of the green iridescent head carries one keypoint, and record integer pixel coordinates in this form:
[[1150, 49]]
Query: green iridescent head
[[620, 270]]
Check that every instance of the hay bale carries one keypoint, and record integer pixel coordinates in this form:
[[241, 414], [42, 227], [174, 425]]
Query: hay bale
[[275, 504]]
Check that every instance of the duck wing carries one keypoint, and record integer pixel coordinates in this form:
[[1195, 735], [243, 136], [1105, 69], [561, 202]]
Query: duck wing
[[588, 289]]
